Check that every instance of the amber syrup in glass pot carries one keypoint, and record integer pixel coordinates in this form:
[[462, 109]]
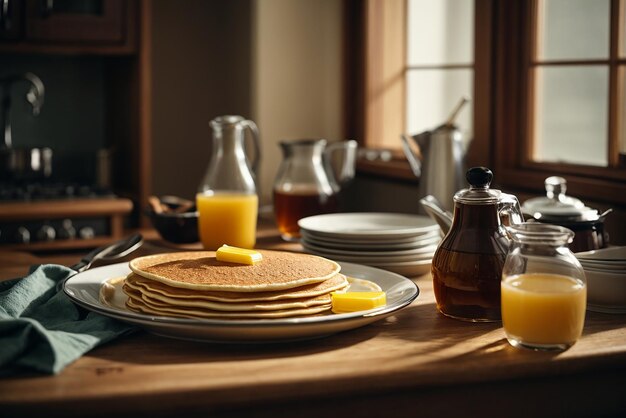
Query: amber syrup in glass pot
[[467, 266]]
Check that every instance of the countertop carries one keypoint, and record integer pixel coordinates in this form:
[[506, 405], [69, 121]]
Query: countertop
[[414, 363]]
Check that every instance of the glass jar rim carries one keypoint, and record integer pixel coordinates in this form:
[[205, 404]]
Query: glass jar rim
[[540, 233]]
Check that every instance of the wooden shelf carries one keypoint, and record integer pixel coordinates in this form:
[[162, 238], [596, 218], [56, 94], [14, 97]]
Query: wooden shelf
[[60, 245], [55, 209]]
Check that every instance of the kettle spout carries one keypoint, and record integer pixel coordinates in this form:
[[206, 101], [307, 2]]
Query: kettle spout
[[436, 211]]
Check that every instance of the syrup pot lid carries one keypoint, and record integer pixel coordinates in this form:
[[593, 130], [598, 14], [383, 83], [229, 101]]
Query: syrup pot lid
[[479, 192], [557, 206]]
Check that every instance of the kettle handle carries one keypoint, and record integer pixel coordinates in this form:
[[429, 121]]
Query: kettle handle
[[509, 206], [414, 162], [348, 163], [256, 142]]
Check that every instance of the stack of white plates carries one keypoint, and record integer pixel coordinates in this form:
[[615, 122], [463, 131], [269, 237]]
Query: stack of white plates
[[400, 243], [605, 270]]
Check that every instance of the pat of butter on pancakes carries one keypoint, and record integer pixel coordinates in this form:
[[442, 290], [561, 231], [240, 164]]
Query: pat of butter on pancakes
[[197, 285]]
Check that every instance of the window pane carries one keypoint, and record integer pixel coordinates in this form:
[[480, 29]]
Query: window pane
[[621, 110], [622, 31], [440, 32], [571, 115], [433, 94], [573, 29]]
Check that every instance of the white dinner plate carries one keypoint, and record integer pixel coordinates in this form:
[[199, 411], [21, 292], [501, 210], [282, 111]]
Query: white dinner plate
[[415, 269], [84, 290], [410, 242], [371, 226], [606, 308], [369, 259], [413, 252], [379, 246], [609, 268], [606, 289], [412, 268], [609, 255]]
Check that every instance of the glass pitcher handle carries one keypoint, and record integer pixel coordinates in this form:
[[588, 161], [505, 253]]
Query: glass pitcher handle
[[348, 164], [254, 165], [509, 205]]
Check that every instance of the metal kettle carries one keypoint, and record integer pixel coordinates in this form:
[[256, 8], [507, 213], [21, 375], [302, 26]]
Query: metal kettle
[[439, 164]]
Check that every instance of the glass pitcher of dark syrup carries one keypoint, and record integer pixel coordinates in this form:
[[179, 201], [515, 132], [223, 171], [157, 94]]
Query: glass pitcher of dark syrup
[[467, 266], [307, 183]]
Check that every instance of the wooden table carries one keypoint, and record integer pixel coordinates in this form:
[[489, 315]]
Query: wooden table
[[415, 363]]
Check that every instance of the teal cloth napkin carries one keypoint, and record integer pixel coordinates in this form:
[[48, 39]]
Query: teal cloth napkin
[[41, 329]]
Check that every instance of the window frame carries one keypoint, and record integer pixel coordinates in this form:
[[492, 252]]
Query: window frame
[[377, 120], [513, 113], [502, 97]]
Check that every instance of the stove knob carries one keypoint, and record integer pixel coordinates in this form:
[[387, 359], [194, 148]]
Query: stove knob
[[46, 233], [22, 235], [86, 232], [67, 230]]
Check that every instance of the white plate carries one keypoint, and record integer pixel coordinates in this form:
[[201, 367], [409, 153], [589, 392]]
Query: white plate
[[606, 289], [610, 254], [608, 268], [415, 252], [365, 243], [606, 309], [370, 260], [382, 226], [408, 269], [380, 246], [351, 239], [84, 289]]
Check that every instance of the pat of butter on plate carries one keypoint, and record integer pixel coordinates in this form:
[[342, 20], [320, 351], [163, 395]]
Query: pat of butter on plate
[[343, 302], [238, 255]]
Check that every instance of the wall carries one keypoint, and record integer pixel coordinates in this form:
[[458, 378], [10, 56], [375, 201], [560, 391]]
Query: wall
[[201, 60], [277, 62], [376, 194], [297, 84]]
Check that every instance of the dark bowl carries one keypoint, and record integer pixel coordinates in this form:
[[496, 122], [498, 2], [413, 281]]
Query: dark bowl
[[179, 228]]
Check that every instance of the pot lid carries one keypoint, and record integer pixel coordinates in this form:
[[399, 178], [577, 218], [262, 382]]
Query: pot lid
[[557, 205], [479, 192]]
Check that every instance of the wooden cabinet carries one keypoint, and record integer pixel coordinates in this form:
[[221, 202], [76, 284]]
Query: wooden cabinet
[[75, 21], [112, 36], [68, 26], [11, 20]]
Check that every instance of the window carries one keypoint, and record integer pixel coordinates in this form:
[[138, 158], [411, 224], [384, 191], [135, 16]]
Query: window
[[559, 107], [439, 68], [421, 58], [569, 82], [546, 79]]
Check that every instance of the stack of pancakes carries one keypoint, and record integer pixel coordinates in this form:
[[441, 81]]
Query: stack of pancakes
[[197, 285]]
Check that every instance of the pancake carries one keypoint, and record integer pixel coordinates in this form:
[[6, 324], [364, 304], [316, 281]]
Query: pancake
[[158, 299], [152, 287], [141, 306], [200, 270]]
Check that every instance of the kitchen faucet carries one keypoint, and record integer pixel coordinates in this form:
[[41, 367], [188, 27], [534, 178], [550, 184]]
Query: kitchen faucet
[[34, 96]]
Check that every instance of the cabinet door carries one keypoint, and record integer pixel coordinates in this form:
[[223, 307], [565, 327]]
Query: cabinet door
[[75, 21], [11, 15]]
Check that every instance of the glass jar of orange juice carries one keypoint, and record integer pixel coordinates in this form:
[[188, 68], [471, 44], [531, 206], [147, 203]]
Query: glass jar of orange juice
[[543, 288], [227, 199]]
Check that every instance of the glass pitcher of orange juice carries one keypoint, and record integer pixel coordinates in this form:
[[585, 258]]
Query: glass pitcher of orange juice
[[227, 199], [544, 292]]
